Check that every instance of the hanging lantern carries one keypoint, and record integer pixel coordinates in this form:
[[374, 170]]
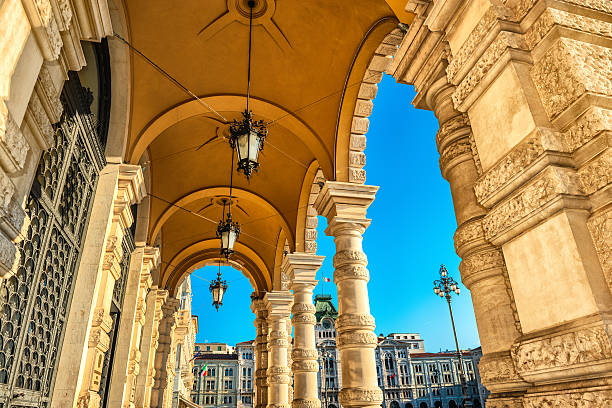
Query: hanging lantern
[[247, 138], [228, 232], [217, 289]]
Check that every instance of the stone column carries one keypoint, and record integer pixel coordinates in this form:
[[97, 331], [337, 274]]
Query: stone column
[[278, 304], [156, 298], [483, 268], [161, 394], [345, 205], [258, 307], [302, 269], [128, 353]]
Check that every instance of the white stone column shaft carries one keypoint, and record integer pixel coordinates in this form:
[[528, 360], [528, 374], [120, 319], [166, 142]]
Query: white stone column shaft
[[302, 269], [279, 307], [345, 205]]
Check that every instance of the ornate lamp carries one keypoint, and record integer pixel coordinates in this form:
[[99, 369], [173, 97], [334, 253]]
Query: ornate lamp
[[228, 232], [217, 289], [247, 136]]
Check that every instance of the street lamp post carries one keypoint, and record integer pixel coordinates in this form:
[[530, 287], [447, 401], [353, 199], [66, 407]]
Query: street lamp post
[[443, 288]]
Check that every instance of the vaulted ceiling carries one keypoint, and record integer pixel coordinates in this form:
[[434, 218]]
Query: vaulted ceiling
[[303, 54]]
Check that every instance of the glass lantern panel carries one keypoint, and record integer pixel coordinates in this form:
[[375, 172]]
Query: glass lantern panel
[[215, 294], [242, 146], [221, 293], [254, 141]]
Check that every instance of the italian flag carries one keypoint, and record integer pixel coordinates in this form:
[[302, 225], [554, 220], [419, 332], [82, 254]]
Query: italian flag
[[205, 370], [326, 279]]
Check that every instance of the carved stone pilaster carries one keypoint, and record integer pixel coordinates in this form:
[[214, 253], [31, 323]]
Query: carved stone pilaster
[[164, 357], [258, 307]]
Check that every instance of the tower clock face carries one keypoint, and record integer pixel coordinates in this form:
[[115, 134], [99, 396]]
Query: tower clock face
[[326, 324]]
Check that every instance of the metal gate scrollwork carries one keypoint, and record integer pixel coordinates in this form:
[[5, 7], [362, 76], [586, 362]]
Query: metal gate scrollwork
[[34, 301]]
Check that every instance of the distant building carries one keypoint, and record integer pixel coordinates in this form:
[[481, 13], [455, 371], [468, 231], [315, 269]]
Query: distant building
[[408, 376]]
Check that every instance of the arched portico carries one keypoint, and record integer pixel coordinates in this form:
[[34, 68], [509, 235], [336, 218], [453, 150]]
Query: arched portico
[[522, 94]]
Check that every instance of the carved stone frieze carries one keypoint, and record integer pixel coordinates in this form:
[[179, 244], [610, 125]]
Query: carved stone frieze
[[304, 354], [588, 399], [349, 256], [585, 345], [568, 70], [548, 185], [303, 308], [366, 338], [551, 17], [600, 226], [304, 318], [502, 42], [468, 232], [475, 39], [497, 369], [278, 379], [453, 151], [594, 121], [40, 122], [306, 403], [351, 272], [597, 174], [353, 320], [450, 126], [305, 366], [515, 162], [13, 147], [475, 155], [277, 343], [88, 400], [360, 395], [481, 261], [511, 402]]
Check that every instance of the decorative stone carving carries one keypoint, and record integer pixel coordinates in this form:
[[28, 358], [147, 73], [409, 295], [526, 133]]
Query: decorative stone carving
[[370, 396], [304, 319], [352, 320], [597, 174], [497, 369], [453, 151], [589, 399], [594, 121], [349, 256], [351, 272], [306, 365], [304, 354], [366, 338], [481, 261], [468, 232], [474, 40], [515, 162], [303, 308], [502, 42], [39, 122], [582, 346], [305, 403], [496, 402], [450, 126], [568, 70], [552, 182], [13, 147], [600, 226]]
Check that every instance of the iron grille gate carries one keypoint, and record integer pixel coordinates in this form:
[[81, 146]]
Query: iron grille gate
[[34, 302]]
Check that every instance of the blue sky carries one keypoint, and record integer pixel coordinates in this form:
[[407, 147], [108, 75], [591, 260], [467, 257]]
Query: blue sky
[[411, 234]]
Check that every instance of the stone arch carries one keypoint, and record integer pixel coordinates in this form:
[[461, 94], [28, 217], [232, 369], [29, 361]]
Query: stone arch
[[121, 73], [306, 226], [206, 252], [216, 191], [232, 103], [371, 61], [280, 280]]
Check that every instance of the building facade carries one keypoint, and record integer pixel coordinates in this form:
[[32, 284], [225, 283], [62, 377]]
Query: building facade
[[408, 376]]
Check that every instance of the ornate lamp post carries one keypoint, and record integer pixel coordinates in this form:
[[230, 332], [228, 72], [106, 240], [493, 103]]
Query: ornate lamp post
[[443, 288], [247, 136], [217, 289]]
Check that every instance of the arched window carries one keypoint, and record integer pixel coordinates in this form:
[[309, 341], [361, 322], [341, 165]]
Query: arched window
[[452, 404], [438, 404], [423, 405], [395, 404], [388, 362], [408, 405]]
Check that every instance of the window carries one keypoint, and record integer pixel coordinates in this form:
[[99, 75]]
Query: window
[[249, 372], [445, 367], [244, 371], [432, 367], [418, 368], [228, 384], [434, 379], [210, 385], [420, 379], [207, 348], [249, 385], [450, 391], [218, 348], [448, 378]]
